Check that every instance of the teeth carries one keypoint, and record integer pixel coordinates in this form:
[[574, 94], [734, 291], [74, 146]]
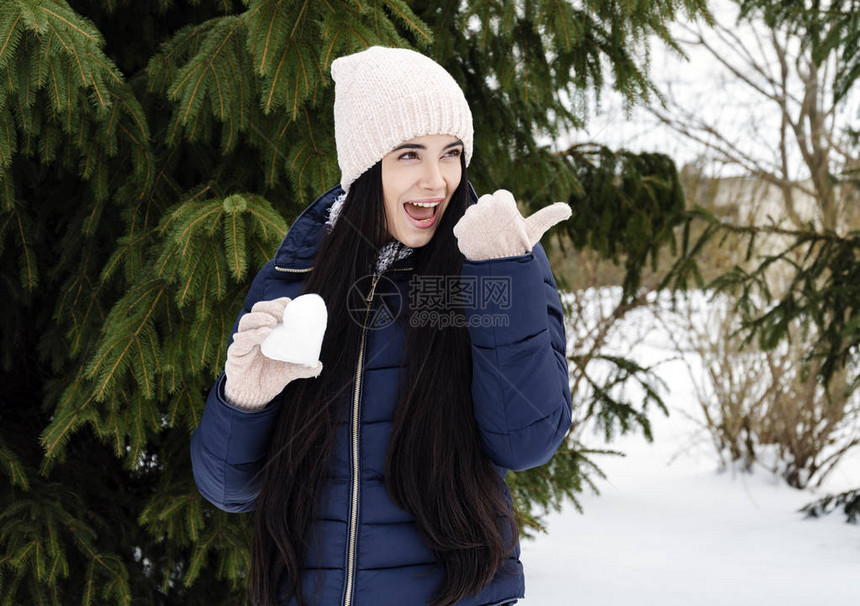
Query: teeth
[[425, 204]]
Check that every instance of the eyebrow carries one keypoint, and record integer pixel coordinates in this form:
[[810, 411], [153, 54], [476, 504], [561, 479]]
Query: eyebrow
[[456, 143]]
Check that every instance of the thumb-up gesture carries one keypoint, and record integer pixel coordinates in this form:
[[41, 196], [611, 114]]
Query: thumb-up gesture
[[253, 378], [494, 228]]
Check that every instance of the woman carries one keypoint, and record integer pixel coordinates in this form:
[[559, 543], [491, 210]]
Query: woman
[[379, 479]]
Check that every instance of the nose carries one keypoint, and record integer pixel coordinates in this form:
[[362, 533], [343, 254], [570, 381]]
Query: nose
[[431, 177]]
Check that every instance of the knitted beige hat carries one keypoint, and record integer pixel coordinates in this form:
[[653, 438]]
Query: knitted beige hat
[[385, 96]]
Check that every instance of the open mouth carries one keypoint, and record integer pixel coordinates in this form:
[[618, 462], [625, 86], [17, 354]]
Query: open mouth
[[422, 214]]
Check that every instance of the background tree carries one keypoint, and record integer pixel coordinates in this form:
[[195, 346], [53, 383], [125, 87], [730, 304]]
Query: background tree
[[152, 155], [783, 117], [798, 279]]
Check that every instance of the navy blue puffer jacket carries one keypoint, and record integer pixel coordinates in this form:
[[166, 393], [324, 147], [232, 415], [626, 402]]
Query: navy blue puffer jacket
[[371, 553]]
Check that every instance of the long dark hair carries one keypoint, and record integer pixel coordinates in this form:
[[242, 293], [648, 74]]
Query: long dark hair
[[435, 466]]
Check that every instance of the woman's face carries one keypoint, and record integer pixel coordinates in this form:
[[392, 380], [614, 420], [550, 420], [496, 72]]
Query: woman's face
[[418, 178]]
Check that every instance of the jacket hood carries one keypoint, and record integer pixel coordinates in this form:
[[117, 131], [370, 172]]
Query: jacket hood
[[299, 248]]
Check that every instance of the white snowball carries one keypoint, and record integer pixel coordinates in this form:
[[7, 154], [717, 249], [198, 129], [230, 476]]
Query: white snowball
[[298, 339]]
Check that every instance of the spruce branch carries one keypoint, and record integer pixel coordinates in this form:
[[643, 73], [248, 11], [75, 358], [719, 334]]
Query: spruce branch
[[10, 462], [73, 411]]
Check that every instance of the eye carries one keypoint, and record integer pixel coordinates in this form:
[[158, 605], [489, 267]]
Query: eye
[[408, 155], [454, 153]]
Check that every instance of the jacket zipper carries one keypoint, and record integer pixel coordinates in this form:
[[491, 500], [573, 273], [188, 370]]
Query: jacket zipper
[[353, 518]]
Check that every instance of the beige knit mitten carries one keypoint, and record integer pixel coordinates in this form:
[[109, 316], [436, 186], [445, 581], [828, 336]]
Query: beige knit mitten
[[253, 380], [494, 228]]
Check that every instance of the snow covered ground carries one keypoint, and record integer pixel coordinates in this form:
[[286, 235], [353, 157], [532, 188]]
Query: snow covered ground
[[669, 529]]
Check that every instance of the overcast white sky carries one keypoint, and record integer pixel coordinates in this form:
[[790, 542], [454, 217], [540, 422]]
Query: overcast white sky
[[708, 92]]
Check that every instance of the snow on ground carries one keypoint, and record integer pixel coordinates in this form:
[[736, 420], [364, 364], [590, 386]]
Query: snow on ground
[[669, 529]]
